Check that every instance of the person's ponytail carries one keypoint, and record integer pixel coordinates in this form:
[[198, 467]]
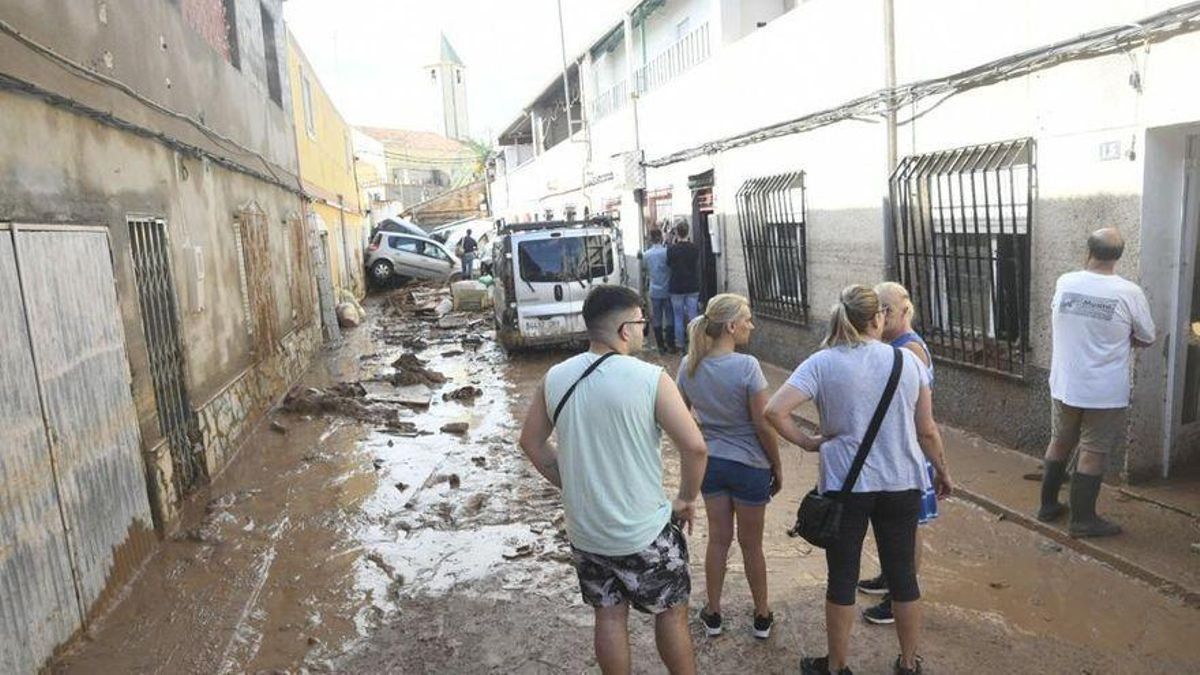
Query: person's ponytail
[[849, 318], [704, 330], [699, 342]]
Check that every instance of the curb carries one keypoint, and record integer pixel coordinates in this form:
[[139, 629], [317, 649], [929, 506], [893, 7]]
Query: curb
[[1123, 565], [1189, 596]]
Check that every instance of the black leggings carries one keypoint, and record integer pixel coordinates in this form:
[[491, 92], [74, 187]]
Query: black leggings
[[893, 516]]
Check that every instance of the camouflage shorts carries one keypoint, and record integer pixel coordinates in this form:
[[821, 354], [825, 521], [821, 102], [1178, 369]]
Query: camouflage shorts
[[652, 580]]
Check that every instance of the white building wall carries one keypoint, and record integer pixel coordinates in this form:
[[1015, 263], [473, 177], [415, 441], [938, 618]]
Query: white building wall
[[826, 52]]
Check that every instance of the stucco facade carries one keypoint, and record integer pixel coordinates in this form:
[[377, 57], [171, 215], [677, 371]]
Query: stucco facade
[[1107, 127], [81, 151], [325, 151]]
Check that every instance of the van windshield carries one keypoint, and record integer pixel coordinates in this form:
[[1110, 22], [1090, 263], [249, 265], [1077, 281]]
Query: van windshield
[[566, 259]]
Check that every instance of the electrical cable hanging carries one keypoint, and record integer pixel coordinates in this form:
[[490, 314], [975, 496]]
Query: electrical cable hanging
[[1102, 42], [229, 144]]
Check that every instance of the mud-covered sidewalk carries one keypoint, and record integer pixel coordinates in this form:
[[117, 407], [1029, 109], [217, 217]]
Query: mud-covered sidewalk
[[383, 520]]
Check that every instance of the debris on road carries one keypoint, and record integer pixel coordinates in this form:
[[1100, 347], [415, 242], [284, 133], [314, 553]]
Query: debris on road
[[349, 315], [345, 400], [458, 428], [1048, 546], [409, 396], [467, 393], [411, 370], [522, 551], [451, 321]]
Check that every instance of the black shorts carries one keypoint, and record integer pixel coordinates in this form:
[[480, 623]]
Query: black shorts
[[653, 580]]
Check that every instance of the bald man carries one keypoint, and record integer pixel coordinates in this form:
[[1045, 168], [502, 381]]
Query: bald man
[[1098, 317]]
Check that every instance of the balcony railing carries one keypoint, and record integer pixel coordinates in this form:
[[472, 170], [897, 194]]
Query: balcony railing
[[610, 100], [691, 50]]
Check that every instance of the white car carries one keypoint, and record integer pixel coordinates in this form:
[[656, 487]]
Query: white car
[[394, 256]]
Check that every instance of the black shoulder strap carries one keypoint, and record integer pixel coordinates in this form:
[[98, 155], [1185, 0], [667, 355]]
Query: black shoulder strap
[[590, 369], [873, 429]]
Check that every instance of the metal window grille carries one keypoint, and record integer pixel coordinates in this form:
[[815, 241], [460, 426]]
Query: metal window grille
[[160, 322], [258, 290], [771, 217], [963, 220]]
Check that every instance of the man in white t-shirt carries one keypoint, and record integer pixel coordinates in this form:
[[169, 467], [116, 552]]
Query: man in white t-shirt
[[1098, 317]]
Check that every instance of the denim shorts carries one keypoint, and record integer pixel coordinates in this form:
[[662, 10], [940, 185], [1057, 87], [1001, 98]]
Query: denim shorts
[[746, 484]]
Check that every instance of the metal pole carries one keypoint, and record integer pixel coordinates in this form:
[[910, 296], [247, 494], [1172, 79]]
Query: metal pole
[[562, 41], [889, 81]]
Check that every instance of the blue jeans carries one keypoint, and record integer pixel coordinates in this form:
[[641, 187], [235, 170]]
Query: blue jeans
[[468, 261], [685, 308], [661, 315]]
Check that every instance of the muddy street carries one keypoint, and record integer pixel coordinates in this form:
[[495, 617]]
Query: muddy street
[[383, 519]]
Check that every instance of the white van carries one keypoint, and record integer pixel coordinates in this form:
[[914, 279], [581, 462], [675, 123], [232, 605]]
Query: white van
[[543, 273]]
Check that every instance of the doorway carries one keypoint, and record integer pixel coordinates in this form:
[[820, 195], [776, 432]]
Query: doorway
[[1183, 425], [706, 236]]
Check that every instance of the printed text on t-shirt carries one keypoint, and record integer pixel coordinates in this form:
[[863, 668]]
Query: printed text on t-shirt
[[1088, 305]]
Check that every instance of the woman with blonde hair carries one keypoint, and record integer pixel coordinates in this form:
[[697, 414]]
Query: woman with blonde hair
[[898, 331], [849, 380], [728, 393]]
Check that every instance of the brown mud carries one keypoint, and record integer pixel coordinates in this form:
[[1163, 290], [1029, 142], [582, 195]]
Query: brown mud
[[356, 536]]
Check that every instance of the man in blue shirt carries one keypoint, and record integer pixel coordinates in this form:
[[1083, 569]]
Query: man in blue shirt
[[662, 318]]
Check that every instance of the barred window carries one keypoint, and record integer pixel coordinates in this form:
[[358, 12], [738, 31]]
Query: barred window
[[771, 217], [962, 222]]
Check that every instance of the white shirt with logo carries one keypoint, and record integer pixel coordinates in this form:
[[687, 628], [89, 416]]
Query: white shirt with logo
[[1094, 318]]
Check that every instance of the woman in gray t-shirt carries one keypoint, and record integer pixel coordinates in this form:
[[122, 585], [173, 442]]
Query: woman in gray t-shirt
[[846, 380], [728, 392]]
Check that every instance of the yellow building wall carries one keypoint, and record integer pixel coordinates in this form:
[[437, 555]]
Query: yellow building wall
[[323, 145], [345, 247]]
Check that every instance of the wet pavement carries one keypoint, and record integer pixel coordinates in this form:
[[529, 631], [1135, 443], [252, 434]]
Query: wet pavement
[[355, 535]]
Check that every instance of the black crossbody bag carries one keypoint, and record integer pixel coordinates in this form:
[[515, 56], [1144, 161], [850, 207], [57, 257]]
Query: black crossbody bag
[[819, 518], [567, 396]]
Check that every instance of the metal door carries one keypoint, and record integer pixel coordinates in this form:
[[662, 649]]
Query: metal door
[[38, 605], [75, 343], [160, 324], [320, 249]]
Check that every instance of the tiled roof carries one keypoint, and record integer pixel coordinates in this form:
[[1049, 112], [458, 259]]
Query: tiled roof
[[422, 143]]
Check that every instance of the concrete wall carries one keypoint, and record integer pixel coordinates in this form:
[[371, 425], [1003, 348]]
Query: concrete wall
[[60, 166]]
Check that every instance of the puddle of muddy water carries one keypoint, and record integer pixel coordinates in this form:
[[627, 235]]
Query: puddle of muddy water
[[323, 540]]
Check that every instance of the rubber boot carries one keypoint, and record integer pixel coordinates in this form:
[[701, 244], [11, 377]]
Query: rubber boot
[[1085, 490], [670, 343], [658, 340], [1054, 472]]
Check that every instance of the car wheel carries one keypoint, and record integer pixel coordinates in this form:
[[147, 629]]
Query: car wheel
[[456, 276], [382, 271]]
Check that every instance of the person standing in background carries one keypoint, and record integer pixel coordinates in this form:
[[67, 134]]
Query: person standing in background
[[683, 259], [467, 248], [662, 319], [1097, 318]]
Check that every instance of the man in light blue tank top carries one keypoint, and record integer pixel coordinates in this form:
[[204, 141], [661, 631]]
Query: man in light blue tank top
[[608, 410]]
